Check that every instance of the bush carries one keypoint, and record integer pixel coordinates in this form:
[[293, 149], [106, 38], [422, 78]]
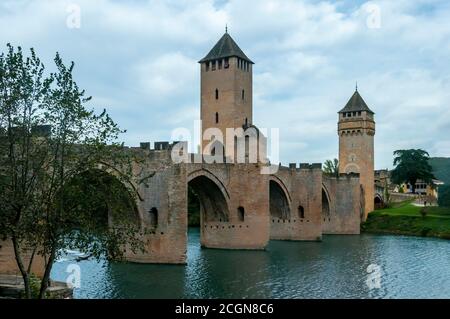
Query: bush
[[35, 287], [423, 212], [425, 231], [444, 196]]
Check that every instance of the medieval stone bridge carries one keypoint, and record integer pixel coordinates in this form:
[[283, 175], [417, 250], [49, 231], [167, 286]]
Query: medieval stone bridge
[[240, 208]]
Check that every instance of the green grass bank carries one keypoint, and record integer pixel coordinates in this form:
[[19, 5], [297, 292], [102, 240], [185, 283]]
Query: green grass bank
[[407, 219]]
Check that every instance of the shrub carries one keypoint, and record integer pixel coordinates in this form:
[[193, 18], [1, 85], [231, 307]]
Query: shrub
[[35, 286], [423, 212], [424, 232]]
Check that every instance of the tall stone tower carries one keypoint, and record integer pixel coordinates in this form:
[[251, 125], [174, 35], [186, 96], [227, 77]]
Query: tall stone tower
[[356, 130], [226, 88]]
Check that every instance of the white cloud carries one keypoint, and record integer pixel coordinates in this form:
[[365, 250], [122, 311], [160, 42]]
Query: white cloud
[[166, 75]]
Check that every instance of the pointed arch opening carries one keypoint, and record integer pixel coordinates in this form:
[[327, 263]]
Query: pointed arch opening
[[212, 204], [325, 206], [279, 204]]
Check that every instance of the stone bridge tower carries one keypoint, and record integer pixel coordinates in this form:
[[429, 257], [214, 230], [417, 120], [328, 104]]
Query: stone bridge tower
[[226, 88], [356, 129]]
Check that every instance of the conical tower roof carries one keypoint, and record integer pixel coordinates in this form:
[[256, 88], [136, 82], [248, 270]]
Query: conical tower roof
[[356, 104], [225, 48]]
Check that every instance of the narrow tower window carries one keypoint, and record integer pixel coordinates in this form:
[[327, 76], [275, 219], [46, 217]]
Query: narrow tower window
[[153, 217], [241, 213], [217, 94], [227, 63], [301, 212], [243, 94], [217, 117], [213, 65], [220, 64], [207, 66]]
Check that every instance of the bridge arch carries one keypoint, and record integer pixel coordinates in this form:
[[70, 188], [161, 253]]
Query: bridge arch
[[326, 203], [212, 194], [378, 201], [131, 186], [279, 199], [102, 198]]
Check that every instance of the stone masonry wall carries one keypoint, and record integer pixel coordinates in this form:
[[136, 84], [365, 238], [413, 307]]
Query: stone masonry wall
[[246, 188], [304, 188], [345, 205], [164, 194]]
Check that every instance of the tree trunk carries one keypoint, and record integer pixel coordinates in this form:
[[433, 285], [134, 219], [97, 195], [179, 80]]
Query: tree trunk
[[48, 268], [413, 186], [30, 263], [23, 271]]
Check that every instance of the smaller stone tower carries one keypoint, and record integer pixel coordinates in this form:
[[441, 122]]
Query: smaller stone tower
[[356, 129], [226, 88]]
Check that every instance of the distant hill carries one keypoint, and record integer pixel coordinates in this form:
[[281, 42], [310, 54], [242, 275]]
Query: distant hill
[[441, 168]]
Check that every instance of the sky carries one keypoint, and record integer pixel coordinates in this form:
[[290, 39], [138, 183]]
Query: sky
[[138, 59]]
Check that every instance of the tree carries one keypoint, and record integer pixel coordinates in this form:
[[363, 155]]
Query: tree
[[410, 166], [50, 143], [331, 167]]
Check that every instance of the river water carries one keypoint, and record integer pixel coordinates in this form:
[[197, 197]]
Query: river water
[[337, 267]]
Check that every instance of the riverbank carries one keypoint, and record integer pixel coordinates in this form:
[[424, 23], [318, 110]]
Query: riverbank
[[407, 219], [11, 286]]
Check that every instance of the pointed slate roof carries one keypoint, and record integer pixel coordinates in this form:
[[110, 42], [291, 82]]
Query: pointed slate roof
[[356, 104], [225, 48]]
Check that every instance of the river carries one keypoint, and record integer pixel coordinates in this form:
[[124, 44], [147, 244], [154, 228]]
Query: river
[[337, 267]]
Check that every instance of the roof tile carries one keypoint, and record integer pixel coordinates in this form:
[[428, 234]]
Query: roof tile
[[225, 48]]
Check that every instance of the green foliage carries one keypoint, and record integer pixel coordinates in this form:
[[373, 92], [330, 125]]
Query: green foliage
[[50, 184], [331, 167], [423, 212], [425, 231], [444, 196], [106, 203], [35, 287], [441, 168], [410, 166]]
